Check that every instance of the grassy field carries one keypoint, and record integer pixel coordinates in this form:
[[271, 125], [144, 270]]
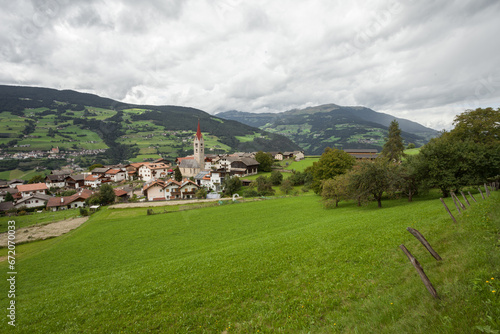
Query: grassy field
[[23, 175], [284, 265]]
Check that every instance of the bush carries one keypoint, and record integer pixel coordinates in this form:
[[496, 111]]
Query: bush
[[84, 212]]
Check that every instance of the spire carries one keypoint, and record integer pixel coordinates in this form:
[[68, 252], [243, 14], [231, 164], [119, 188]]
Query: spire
[[198, 132]]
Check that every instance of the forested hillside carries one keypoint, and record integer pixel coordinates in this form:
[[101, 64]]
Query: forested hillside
[[39, 119], [316, 128]]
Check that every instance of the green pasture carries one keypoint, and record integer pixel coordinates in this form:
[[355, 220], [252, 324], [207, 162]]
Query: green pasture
[[42, 218], [21, 174], [274, 266]]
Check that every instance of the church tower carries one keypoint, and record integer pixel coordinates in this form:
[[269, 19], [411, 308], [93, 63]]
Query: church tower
[[199, 148]]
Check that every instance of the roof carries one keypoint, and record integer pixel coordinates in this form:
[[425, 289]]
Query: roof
[[201, 175], [15, 181], [198, 132], [100, 170], [43, 197], [119, 192], [32, 187], [78, 177], [61, 201], [12, 191], [56, 177], [4, 206], [160, 183], [361, 150], [189, 163], [92, 177], [114, 171]]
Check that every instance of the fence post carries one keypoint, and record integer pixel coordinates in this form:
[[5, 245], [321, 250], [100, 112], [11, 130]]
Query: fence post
[[420, 271], [424, 242], [465, 198], [472, 197], [448, 210], [455, 201], [487, 190], [458, 200], [480, 192]]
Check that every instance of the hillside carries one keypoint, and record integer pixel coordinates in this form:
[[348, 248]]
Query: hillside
[[38, 119], [329, 125], [263, 271]]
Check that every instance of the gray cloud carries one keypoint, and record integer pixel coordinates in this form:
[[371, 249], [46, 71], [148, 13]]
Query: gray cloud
[[423, 60]]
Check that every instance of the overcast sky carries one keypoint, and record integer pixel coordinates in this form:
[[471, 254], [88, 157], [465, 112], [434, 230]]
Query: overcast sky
[[424, 60]]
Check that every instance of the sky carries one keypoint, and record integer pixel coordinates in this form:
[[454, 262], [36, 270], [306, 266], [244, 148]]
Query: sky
[[425, 60]]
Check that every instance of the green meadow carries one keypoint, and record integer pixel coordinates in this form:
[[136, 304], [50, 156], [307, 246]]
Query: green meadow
[[285, 265]]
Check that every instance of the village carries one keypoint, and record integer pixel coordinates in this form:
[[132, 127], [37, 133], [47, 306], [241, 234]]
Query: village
[[156, 180]]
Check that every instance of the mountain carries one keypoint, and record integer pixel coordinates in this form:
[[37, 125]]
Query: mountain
[[331, 125], [33, 118]]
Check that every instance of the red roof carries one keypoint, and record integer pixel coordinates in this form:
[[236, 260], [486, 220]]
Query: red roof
[[32, 187], [61, 201], [113, 171], [119, 192], [198, 131], [92, 177]]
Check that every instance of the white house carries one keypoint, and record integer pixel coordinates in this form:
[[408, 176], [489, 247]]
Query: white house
[[93, 181], [27, 190], [116, 175], [32, 201]]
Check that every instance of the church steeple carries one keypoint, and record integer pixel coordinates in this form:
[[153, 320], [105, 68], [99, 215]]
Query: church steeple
[[199, 148]]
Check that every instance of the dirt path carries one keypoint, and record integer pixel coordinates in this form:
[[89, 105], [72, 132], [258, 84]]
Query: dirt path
[[42, 232]]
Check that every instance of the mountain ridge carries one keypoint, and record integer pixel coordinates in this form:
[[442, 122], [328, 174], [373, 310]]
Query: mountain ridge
[[327, 125]]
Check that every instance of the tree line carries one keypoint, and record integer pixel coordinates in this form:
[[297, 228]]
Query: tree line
[[467, 155]]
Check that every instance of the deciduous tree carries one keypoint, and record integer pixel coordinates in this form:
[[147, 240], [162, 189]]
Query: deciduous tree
[[265, 161], [333, 162]]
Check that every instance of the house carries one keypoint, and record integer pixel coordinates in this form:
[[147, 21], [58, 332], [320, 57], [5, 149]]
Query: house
[[75, 181], [362, 153], [6, 206], [299, 155], [170, 189], [14, 183], [240, 166], [69, 202], [55, 180], [4, 191], [121, 194], [131, 170], [116, 175], [99, 171], [151, 170], [33, 201], [93, 181], [27, 190]]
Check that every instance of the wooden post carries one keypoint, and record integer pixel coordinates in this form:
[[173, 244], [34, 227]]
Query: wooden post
[[421, 272], [458, 200], [424, 242], [487, 190], [480, 192], [465, 198], [472, 197], [448, 210], [455, 201]]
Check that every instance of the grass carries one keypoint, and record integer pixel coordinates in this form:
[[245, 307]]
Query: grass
[[20, 174], [284, 265], [38, 218]]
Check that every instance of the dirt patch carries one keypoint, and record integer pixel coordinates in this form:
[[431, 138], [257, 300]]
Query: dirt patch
[[42, 232]]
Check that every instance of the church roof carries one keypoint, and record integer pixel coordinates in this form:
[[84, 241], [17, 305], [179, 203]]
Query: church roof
[[198, 131]]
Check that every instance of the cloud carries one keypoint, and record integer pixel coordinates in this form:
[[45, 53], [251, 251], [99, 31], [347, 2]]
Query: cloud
[[422, 60]]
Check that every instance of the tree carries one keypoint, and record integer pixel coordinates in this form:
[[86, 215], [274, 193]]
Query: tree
[[201, 193], [265, 161], [336, 189], [177, 174], [264, 186], [231, 185], [393, 147], [480, 126], [95, 166], [410, 176], [9, 197], [375, 178], [276, 178], [333, 162], [286, 186], [410, 146], [37, 179], [106, 194]]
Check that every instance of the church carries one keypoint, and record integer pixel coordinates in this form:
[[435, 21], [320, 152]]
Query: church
[[192, 165]]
